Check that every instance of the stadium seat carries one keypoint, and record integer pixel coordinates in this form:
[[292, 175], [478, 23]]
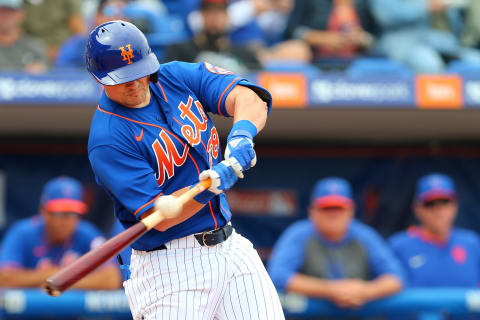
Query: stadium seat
[[463, 68], [291, 66], [377, 67]]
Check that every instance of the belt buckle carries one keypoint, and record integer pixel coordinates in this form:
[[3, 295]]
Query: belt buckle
[[203, 240]]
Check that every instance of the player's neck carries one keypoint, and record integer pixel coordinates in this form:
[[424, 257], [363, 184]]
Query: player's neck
[[436, 236], [334, 236]]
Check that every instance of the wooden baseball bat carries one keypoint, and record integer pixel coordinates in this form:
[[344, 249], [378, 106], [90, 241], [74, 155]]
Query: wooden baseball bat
[[72, 273]]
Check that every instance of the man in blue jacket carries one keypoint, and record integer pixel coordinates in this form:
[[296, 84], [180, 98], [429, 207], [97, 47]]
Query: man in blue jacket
[[434, 253]]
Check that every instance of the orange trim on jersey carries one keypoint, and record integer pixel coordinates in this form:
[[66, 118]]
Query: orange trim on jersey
[[144, 123], [221, 96], [213, 215], [146, 204], [163, 92]]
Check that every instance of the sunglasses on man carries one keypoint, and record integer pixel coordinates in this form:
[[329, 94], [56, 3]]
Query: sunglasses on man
[[437, 202], [63, 214]]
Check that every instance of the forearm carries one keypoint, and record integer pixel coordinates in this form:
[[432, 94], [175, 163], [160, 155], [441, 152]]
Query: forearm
[[383, 286], [244, 104], [22, 278], [106, 278], [322, 39], [310, 286], [189, 209]]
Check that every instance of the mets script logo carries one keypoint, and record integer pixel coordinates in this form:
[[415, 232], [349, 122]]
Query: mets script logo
[[127, 54], [168, 157], [193, 133]]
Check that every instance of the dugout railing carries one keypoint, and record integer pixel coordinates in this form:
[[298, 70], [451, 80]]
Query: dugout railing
[[426, 304]]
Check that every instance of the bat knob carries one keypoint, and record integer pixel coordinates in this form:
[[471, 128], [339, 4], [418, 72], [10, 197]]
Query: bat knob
[[48, 287]]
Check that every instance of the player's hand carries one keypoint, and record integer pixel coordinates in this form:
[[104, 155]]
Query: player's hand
[[350, 293], [223, 177], [241, 154], [239, 150]]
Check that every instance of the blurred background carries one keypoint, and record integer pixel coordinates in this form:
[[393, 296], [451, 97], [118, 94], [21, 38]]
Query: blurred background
[[378, 92]]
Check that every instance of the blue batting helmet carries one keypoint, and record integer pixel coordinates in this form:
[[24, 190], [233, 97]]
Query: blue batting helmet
[[118, 52]]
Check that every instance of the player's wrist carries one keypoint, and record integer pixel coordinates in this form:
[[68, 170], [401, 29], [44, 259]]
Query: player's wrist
[[241, 129]]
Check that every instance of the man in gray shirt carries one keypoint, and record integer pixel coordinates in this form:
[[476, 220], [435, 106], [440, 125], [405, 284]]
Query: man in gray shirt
[[17, 51]]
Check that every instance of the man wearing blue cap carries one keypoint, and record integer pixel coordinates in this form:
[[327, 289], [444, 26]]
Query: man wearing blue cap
[[331, 255], [434, 253], [35, 248]]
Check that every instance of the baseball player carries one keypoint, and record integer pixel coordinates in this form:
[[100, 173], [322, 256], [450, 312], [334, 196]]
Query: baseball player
[[35, 248], [151, 136]]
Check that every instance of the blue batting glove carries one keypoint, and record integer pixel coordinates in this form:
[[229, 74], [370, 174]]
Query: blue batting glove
[[240, 146], [223, 177]]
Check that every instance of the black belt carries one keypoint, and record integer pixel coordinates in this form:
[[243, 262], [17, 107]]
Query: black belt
[[207, 238]]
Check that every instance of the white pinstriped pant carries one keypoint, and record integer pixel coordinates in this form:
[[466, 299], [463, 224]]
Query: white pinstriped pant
[[188, 281]]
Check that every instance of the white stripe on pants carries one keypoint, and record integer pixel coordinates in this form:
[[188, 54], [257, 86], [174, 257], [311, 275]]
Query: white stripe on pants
[[187, 281]]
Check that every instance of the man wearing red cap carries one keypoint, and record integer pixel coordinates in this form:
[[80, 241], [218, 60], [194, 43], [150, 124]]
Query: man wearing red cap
[[35, 248], [435, 253], [332, 256]]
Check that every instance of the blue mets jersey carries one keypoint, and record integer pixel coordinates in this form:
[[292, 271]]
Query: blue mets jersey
[[25, 244], [361, 254], [140, 154], [428, 263]]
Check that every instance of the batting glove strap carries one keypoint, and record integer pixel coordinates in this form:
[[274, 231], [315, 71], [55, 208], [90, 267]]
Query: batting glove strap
[[223, 177]]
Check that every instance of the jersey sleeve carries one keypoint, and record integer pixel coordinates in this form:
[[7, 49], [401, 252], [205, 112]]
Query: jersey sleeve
[[212, 84], [127, 176], [11, 251], [382, 260], [287, 256]]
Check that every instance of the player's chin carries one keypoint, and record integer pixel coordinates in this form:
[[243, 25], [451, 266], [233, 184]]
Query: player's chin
[[134, 100]]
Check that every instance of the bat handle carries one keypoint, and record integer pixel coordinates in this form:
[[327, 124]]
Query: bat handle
[[198, 188]]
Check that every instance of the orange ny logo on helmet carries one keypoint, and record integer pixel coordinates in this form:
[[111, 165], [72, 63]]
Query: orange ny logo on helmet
[[127, 54]]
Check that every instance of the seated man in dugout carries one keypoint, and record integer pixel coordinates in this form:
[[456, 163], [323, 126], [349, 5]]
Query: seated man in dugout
[[435, 253], [332, 256], [35, 248]]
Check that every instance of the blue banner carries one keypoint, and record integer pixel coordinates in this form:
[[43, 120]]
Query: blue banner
[[65, 88], [369, 92], [471, 91]]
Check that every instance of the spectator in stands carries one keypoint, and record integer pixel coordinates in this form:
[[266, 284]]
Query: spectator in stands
[[411, 33], [333, 28], [213, 44], [53, 22], [35, 248], [471, 30], [17, 51], [215, 41], [72, 52], [435, 253], [332, 256]]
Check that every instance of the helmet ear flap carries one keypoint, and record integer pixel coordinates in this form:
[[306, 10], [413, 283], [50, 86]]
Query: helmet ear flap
[[154, 77]]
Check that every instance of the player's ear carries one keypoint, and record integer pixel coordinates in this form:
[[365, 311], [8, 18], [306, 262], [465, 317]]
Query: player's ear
[[154, 77], [42, 211], [417, 208]]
